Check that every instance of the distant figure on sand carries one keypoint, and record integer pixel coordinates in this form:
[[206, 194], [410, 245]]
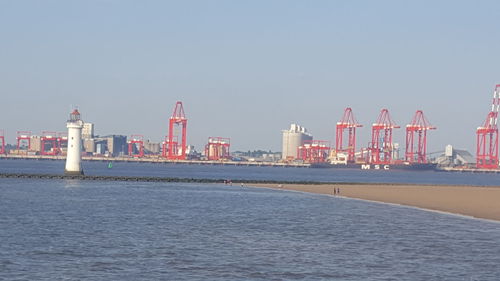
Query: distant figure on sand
[[338, 190]]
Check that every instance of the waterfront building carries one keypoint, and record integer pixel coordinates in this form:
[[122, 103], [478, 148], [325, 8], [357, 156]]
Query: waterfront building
[[152, 147], [89, 145], [88, 130], [117, 145], [35, 144], [455, 158], [292, 139]]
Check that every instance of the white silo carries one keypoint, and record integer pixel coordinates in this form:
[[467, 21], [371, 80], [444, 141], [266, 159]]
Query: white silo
[[74, 155], [292, 139]]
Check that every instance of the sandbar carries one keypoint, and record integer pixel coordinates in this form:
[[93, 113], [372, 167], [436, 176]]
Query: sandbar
[[475, 201]]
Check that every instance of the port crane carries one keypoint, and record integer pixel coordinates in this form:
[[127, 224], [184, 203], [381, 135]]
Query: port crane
[[2, 139], [314, 151], [381, 146], [217, 148], [171, 149], [48, 143], [487, 136], [347, 123], [23, 138], [136, 143], [417, 128]]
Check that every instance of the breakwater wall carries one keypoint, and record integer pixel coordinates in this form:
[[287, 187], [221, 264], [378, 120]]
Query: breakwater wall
[[147, 179], [190, 180]]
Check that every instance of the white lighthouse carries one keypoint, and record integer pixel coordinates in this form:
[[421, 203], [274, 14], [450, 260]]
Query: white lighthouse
[[74, 156]]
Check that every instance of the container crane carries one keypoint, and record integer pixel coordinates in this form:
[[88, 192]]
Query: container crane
[[314, 151], [23, 137], [381, 146], [349, 123], [217, 148], [172, 149], [48, 143], [487, 136], [2, 139], [62, 142], [418, 126], [136, 142]]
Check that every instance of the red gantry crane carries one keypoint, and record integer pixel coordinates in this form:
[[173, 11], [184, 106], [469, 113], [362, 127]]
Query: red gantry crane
[[349, 123], [381, 146], [487, 136], [136, 143], [418, 126], [217, 148], [2, 139], [48, 143], [62, 142], [169, 144], [23, 139], [314, 151], [172, 150]]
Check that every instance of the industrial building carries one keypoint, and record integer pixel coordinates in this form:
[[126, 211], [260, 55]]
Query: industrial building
[[292, 139], [35, 144], [89, 145], [152, 147], [88, 130], [112, 145], [117, 145], [455, 158]]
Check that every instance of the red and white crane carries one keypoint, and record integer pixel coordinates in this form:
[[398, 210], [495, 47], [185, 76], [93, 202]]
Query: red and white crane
[[48, 143], [2, 139], [349, 123], [136, 143], [23, 139], [418, 126], [381, 146], [217, 148], [487, 136], [314, 151], [62, 142], [171, 148]]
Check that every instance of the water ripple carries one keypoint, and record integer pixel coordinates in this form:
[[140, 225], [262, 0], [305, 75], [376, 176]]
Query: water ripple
[[154, 231]]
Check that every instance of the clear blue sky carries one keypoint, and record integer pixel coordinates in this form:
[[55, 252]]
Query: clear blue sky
[[247, 69]]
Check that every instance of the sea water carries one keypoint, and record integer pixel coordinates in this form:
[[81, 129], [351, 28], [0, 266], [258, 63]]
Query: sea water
[[93, 230], [253, 173]]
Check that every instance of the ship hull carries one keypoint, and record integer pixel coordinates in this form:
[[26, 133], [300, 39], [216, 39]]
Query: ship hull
[[383, 167]]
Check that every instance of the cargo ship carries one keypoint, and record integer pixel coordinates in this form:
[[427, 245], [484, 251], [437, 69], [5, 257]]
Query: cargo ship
[[383, 167], [339, 160]]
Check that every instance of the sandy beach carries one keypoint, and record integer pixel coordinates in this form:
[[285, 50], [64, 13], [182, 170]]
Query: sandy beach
[[475, 201]]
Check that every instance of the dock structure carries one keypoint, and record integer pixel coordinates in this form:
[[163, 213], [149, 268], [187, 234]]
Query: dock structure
[[469, 170], [159, 160]]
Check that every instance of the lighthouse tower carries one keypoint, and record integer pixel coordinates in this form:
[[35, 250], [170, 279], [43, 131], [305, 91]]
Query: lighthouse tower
[[73, 158]]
